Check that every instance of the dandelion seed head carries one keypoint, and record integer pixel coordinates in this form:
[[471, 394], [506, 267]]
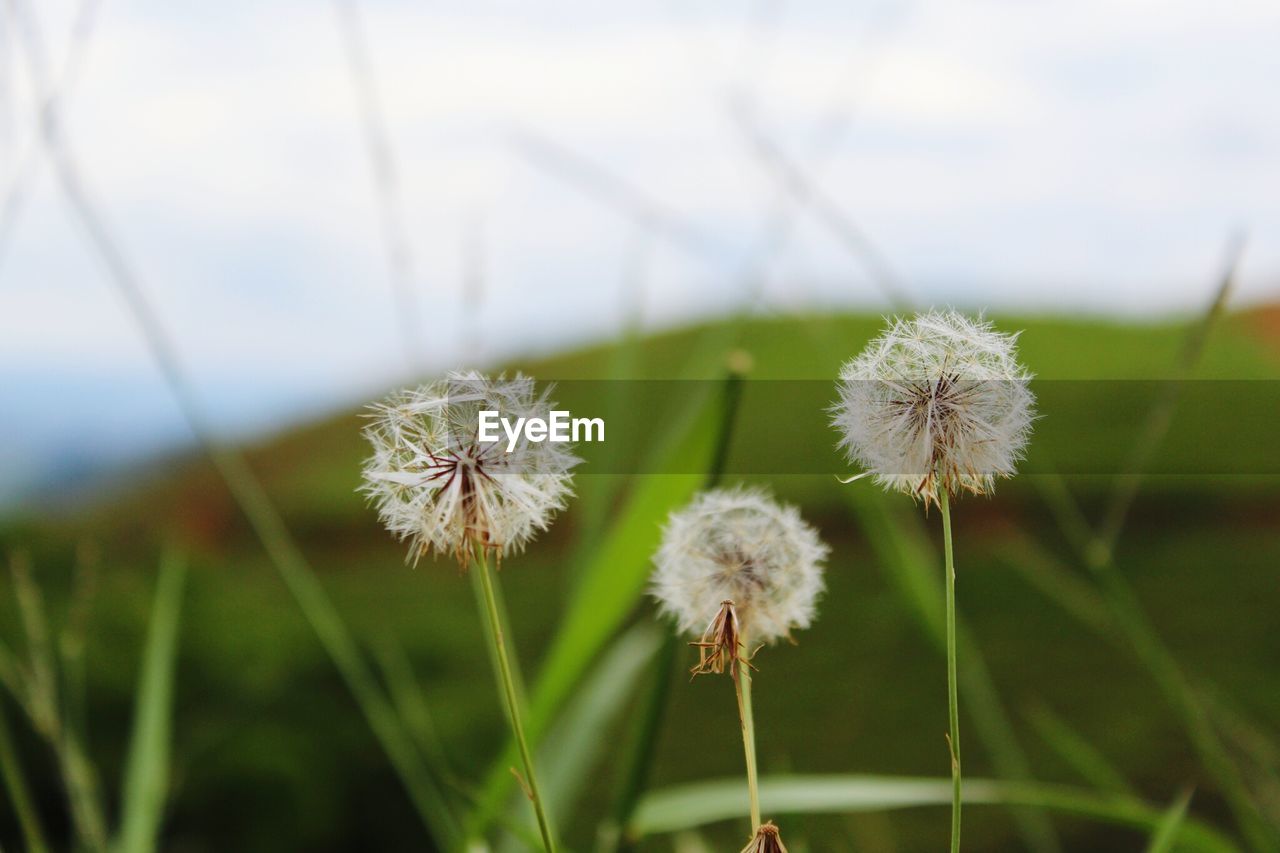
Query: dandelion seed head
[[437, 486], [739, 545], [937, 403]]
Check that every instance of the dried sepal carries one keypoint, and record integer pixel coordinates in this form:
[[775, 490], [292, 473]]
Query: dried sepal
[[767, 840], [721, 645]]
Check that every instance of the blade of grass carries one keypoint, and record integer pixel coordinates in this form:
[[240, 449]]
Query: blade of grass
[[411, 704], [1078, 753], [1166, 832], [1106, 614], [1130, 616], [1044, 572], [146, 772], [71, 641], [12, 678], [700, 803], [1125, 489], [689, 842], [42, 687], [1178, 692], [574, 745], [809, 195], [78, 775], [386, 180], [638, 760], [15, 783], [596, 494]]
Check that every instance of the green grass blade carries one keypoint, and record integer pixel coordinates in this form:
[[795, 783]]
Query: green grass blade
[[1166, 833], [1156, 427], [71, 641], [1044, 572], [411, 703], [1078, 753], [595, 494], [1125, 622], [697, 804], [611, 584], [336, 638], [12, 677], [415, 713], [146, 772], [42, 699], [637, 758], [42, 680], [574, 745], [690, 842], [1127, 610], [15, 783]]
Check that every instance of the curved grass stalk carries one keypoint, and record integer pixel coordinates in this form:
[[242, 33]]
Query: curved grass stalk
[[688, 806]]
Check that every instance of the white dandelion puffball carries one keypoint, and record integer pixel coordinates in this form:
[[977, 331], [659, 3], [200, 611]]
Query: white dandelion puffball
[[438, 486], [937, 403], [739, 545]]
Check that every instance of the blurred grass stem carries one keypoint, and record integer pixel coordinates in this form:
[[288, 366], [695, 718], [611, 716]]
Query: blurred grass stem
[[19, 794], [509, 694]]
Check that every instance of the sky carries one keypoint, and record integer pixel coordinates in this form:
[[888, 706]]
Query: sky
[[553, 171]]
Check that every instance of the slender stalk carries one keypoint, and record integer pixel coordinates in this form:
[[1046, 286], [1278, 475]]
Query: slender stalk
[[509, 694], [953, 701], [19, 794], [742, 686]]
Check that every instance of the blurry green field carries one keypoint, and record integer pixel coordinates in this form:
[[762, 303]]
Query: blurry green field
[[270, 746]]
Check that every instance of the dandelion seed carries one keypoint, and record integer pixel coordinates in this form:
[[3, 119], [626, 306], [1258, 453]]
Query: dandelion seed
[[767, 840], [438, 486], [738, 560], [936, 403]]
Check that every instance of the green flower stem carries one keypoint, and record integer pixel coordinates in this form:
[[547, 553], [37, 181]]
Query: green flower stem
[[509, 694], [742, 685], [953, 702]]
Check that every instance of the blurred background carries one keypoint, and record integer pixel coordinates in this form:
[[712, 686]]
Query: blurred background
[[223, 229]]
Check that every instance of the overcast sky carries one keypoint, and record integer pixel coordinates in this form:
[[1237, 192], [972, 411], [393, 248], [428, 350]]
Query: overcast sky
[[1091, 156]]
